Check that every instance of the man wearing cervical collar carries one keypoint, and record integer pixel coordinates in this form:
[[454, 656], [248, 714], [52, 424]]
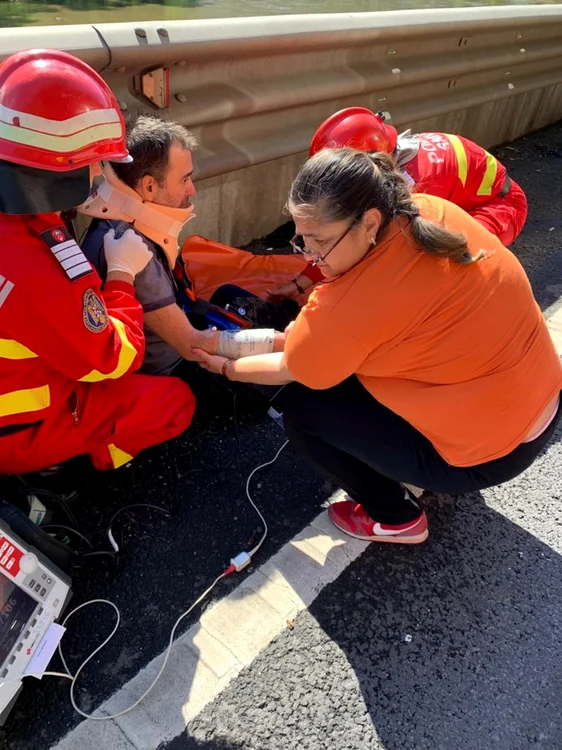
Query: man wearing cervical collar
[[153, 195]]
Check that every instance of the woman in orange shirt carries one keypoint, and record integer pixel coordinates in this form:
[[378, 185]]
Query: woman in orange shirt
[[424, 358]]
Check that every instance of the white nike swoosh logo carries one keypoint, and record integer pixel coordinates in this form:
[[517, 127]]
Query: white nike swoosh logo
[[379, 531]]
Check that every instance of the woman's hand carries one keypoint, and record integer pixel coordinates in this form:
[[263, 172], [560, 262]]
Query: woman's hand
[[290, 290], [210, 362], [283, 291]]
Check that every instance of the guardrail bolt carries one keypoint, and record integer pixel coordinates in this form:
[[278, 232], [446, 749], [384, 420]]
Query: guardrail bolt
[[181, 98], [181, 63], [519, 36], [464, 41], [120, 69], [522, 50], [163, 32], [141, 33], [123, 106], [392, 51], [452, 83]]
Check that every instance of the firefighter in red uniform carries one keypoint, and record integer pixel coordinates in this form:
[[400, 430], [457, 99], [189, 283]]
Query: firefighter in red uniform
[[448, 166], [67, 348]]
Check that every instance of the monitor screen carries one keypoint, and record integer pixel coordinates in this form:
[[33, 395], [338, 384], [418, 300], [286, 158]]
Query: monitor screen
[[16, 609]]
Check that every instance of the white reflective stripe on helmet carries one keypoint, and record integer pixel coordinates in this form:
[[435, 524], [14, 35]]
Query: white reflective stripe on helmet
[[67, 127], [57, 143]]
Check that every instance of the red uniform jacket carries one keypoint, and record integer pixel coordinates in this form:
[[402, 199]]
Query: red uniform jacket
[[56, 326], [454, 168]]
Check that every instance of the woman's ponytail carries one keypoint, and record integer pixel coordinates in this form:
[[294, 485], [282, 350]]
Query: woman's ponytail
[[431, 237]]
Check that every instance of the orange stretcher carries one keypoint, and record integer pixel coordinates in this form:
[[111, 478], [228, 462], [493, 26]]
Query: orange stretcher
[[211, 264]]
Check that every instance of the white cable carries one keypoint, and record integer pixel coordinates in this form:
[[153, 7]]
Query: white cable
[[254, 506], [74, 678], [112, 540], [99, 648], [153, 683]]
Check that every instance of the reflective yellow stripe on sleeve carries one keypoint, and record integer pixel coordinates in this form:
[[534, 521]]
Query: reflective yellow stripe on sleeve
[[461, 157], [22, 402], [10, 349], [119, 457], [489, 176], [126, 357], [29, 399]]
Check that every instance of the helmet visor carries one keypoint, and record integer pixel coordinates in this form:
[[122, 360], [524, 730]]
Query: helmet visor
[[27, 190]]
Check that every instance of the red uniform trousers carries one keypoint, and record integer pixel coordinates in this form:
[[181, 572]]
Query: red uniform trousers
[[115, 420], [504, 216]]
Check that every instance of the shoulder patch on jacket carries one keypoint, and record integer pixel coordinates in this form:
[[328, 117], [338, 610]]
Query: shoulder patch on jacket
[[94, 313], [66, 251]]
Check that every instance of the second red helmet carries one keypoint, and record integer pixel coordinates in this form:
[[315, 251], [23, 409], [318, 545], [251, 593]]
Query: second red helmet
[[355, 127]]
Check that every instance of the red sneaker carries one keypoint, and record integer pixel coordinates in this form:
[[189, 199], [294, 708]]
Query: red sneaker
[[351, 518]]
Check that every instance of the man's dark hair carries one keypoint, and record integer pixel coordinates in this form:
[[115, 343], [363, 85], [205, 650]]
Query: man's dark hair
[[149, 140]]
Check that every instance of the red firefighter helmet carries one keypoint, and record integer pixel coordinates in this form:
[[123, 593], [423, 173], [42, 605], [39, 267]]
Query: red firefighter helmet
[[56, 113], [355, 127]]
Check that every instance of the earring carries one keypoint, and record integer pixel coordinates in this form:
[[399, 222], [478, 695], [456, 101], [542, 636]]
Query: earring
[[373, 241]]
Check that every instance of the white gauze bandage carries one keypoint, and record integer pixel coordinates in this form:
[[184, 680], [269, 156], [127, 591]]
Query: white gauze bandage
[[237, 344]]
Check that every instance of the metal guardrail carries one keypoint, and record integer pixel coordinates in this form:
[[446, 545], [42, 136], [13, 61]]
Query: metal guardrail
[[253, 90]]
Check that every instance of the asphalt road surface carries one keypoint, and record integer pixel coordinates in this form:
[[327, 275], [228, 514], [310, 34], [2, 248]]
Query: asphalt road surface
[[453, 644]]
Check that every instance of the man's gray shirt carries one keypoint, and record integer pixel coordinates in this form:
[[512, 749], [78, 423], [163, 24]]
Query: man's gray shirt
[[154, 288]]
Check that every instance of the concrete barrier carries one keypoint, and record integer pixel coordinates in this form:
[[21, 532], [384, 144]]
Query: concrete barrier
[[253, 90]]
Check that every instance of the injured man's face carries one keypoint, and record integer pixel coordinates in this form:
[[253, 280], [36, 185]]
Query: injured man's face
[[176, 189]]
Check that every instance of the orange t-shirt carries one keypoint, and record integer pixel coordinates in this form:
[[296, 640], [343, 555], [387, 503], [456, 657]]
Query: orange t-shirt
[[461, 352]]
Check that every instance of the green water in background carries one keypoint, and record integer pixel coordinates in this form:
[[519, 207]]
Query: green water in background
[[15, 13]]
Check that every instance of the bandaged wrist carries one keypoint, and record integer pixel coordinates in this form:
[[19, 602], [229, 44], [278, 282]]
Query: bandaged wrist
[[237, 344]]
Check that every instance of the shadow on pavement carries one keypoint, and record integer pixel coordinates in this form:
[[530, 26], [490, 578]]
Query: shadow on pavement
[[452, 645], [455, 644]]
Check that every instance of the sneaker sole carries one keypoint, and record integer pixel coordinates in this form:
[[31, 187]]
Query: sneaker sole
[[419, 539]]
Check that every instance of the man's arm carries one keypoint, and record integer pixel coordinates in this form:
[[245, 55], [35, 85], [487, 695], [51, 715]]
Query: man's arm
[[172, 326], [155, 291]]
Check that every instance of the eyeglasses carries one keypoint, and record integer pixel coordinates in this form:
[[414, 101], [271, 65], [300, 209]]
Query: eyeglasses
[[299, 246]]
